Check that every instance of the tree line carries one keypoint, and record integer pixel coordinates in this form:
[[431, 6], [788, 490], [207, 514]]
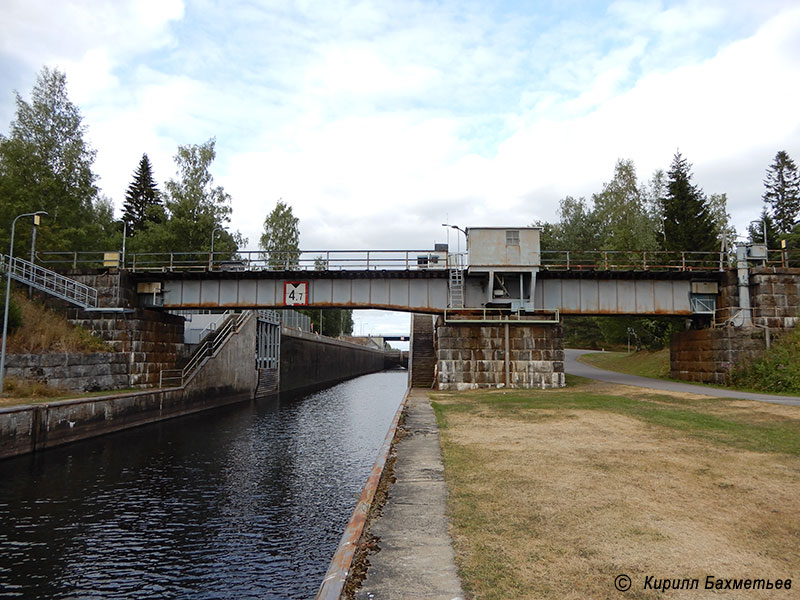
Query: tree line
[[668, 212], [47, 164]]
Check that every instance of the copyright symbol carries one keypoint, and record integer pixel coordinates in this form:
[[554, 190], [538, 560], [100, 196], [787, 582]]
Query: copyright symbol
[[622, 583]]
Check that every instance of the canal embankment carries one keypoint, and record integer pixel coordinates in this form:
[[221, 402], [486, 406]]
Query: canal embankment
[[397, 544], [246, 501], [230, 374]]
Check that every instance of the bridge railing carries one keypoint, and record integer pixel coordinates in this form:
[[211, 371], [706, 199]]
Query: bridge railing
[[360, 260], [306, 260], [621, 260]]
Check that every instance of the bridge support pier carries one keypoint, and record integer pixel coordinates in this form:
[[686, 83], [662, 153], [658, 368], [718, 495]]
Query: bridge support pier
[[510, 355]]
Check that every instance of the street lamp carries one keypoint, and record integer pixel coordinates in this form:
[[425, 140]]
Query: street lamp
[[458, 239], [124, 236], [211, 254], [10, 258], [763, 227]]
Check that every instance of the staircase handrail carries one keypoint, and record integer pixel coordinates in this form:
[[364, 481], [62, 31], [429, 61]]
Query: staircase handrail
[[48, 281], [205, 351]]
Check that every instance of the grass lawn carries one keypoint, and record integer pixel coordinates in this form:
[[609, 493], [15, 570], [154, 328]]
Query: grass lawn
[[554, 493], [15, 400], [644, 363], [656, 365]]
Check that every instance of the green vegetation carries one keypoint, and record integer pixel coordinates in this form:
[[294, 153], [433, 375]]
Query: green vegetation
[[645, 363], [46, 164], [281, 238], [194, 209], [14, 311], [18, 392], [778, 371], [143, 203], [45, 330], [551, 494]]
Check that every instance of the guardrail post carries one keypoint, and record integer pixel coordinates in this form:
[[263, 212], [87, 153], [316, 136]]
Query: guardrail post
[[171, 261], [74, 261]]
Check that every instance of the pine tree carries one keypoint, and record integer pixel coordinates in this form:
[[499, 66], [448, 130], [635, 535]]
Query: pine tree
[[688, 225], [755, 231], [141, 197], [783, 192]]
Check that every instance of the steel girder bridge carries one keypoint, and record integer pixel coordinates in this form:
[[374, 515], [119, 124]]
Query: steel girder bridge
[[438, 282]]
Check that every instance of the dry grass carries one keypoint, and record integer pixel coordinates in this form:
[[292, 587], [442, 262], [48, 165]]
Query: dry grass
[[553, 494], [17, 392], [44, 330]]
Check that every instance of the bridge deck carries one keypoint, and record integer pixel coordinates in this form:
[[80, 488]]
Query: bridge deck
[[586, 292]]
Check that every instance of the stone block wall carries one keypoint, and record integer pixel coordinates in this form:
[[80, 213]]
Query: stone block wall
[[473, 356], [71, 371], [151, 340], [708, 355], [775, 296]]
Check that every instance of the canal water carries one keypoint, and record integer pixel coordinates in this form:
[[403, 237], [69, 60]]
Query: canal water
[[246, 501]]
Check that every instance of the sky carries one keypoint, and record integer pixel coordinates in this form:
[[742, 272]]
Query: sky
[[379, 121]]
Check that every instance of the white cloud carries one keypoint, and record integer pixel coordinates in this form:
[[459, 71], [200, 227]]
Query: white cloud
[[377, 122]]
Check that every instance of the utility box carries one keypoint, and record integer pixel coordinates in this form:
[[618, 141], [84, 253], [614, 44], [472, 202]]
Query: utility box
[[504, 249], [757, 251], [110, 259]]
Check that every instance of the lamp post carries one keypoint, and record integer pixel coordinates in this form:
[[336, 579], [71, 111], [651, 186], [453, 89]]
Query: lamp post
[[458, 239], [763, 227], [211, 254], [35, 215], [124, 236], [36, 220]]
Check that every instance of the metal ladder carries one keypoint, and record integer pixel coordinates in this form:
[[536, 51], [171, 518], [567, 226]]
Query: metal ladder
[[49, 282], [456, 288]]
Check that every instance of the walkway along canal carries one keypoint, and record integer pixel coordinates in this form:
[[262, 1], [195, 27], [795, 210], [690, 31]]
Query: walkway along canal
[[243, 501]]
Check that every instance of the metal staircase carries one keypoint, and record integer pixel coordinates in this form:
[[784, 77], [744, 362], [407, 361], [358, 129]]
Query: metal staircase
[[49, 282], [208, 349], [456, 288]]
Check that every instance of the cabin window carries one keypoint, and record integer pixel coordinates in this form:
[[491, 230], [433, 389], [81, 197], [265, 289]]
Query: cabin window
[[512, 237]]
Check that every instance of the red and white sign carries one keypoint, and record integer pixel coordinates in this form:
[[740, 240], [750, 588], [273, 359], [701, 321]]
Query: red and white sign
[[295, 293]]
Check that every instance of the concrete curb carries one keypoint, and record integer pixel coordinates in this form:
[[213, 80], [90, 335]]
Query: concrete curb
[[333, 584]]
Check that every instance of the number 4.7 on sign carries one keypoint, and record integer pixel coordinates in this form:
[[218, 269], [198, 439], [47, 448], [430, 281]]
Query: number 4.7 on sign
[[295, 293]]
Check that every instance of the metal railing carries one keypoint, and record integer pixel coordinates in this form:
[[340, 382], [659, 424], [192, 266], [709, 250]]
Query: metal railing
[[621, 260], [500, 315], [307, 260], [179, 377], [295, 320], [49, 281], [376, 260]]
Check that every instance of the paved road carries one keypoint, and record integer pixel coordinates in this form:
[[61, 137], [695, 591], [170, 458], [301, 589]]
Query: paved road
[[575, 367]]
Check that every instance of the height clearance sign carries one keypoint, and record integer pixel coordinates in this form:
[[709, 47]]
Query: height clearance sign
[[295, 293]]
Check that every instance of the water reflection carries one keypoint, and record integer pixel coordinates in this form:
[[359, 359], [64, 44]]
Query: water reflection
[[246, 501]]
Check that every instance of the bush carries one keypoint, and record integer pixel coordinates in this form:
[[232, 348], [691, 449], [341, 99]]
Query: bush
[[778, 371], [14, 311]]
